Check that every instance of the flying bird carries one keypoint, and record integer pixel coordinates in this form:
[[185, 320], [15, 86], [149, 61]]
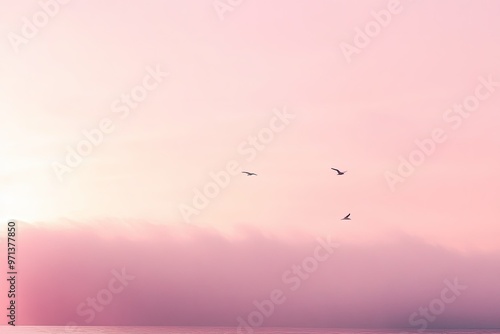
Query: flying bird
[[249, 174], [339, 172], [346, 217]]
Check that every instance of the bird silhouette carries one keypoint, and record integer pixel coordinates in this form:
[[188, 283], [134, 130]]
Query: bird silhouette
[[339, 172], [249, 174], [346, 217]]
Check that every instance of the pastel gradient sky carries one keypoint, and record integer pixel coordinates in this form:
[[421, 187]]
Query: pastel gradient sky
[[121, 206]]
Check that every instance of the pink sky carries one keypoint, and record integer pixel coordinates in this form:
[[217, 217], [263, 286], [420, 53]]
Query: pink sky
[[225, 79]]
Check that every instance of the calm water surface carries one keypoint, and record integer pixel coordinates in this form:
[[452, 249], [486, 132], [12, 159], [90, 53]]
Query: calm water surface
[[221, 330]]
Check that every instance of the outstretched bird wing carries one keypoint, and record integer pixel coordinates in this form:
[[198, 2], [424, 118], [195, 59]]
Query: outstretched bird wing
[[346, 217]]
